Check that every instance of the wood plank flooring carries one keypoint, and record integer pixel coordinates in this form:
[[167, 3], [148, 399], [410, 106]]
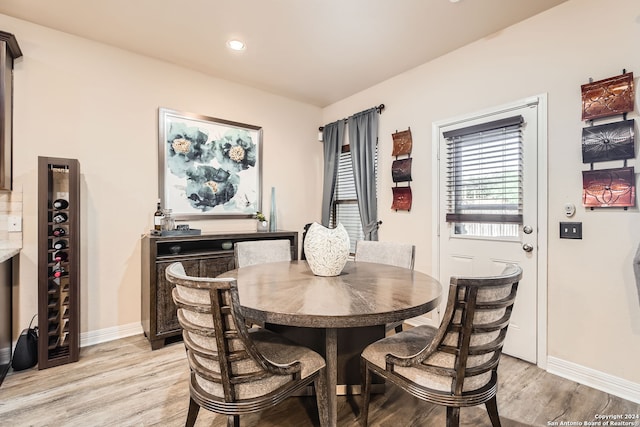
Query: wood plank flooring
[[124, 383]]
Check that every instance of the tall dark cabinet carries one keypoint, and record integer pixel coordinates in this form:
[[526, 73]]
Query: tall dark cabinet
[[9, 50], [58, 261]]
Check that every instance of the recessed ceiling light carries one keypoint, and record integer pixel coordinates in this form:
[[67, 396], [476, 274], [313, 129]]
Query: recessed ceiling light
[[236, 45]]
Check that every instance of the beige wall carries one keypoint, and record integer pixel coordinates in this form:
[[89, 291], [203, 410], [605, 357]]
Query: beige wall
[[593, 307], [79, 99]]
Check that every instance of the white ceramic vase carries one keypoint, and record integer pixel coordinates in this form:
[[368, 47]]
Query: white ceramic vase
[[326, 249]]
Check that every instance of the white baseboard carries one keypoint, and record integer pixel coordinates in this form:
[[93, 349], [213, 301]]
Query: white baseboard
[[109, 334], [590, 377]]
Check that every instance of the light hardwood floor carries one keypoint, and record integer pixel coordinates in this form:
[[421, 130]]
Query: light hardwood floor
[[124, 383]]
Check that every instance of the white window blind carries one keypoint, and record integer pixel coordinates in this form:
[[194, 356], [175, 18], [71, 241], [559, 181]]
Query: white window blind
[[345, 205], [484, 176]]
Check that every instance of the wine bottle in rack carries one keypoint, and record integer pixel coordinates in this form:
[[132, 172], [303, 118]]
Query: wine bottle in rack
[[59, 244], [59, 218], [60, 256], [59, 231], [59, 271], [60, 204]]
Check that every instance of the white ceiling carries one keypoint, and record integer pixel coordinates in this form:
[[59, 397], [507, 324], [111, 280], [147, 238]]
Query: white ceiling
[[314, 51]]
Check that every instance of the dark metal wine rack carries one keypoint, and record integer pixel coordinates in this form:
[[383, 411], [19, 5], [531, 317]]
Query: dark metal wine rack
[[58, 297]]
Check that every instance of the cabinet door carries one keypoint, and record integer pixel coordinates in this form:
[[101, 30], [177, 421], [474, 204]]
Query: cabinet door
[[166, 316], [213, 267]]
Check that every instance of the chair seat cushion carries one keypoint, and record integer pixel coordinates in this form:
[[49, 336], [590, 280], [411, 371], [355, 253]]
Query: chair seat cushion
[[277, 349], [409, 343], [280, 350]]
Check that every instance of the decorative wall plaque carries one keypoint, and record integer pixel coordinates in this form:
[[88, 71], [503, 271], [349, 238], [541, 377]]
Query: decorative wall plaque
[[401, 170], [402, 198], [612, 141], [609, 188], [402, 143], [608, 97]]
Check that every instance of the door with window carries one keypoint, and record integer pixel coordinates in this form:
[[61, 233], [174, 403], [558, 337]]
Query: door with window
[[487, 174]]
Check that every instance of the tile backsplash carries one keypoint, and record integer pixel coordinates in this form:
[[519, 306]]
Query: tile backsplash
[[10, 206]]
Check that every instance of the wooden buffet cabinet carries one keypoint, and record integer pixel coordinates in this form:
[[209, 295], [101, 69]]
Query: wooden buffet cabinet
[[201, 255]]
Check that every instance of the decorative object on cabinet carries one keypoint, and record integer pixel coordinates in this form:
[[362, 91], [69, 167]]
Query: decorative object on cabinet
[[10, 51], [58, 276], [608, 97], [273, 215], [609, 188], [401, 170], [208, 167], [611, 141], [262, 225], [326, 249], [202, 255]]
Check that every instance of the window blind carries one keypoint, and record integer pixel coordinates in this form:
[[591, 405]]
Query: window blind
[[484, 172], [346, 209]]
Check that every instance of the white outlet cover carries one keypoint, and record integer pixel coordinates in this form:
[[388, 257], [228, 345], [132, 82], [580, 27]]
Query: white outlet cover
[[14, 223]]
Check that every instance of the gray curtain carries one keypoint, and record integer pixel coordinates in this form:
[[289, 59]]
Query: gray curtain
[[332, 136], [363, 138]]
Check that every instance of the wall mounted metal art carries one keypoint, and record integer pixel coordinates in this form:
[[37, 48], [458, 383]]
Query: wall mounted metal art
[[609, 188], [611, 141], [608, 97], [401, 170]]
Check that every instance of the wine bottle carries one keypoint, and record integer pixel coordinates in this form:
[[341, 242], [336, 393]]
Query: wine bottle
[[60, 204], [60, 256], [59, 271], [158, 218], [59, 231], [59, 244], [60, 217]]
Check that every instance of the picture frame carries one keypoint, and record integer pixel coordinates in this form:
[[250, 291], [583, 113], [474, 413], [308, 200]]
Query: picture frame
[[208, 168]]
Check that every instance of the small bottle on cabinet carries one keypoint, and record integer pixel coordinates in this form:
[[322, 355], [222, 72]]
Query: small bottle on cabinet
[[158, 218], [60, 204]]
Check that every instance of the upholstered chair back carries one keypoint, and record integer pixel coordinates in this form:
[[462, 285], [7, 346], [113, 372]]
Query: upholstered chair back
[[390, 253], [261, 251]]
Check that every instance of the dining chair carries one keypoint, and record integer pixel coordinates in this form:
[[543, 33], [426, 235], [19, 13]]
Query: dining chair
[[456, 364], [253, 252], [391, 253], [234, 370]]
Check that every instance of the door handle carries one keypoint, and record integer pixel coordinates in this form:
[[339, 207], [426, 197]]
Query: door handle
[[527, 247], [527, 229]]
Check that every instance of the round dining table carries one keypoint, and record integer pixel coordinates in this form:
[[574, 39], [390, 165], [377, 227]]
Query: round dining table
[[337, 316]]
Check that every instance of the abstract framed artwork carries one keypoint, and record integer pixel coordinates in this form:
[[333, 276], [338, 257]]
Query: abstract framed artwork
[[609, 188], [612, 141], [208, 167], [608, 97]]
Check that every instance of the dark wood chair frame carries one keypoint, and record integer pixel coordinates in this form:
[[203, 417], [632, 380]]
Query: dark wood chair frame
[[467, 287], [223, 331]]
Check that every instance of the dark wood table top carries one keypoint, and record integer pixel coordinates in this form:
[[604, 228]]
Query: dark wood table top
[[364, 294]]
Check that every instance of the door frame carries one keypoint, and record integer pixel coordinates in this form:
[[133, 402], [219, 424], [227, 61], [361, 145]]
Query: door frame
[[542, 170]]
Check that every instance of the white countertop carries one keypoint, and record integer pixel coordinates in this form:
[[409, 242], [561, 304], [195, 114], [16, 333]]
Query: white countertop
[[8, 253]]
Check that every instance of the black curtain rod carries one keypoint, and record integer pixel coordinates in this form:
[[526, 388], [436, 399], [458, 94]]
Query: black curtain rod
[[379, 109]]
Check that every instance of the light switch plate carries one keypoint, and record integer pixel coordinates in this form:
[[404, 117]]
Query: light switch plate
[[14, 223], [571, 230]]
